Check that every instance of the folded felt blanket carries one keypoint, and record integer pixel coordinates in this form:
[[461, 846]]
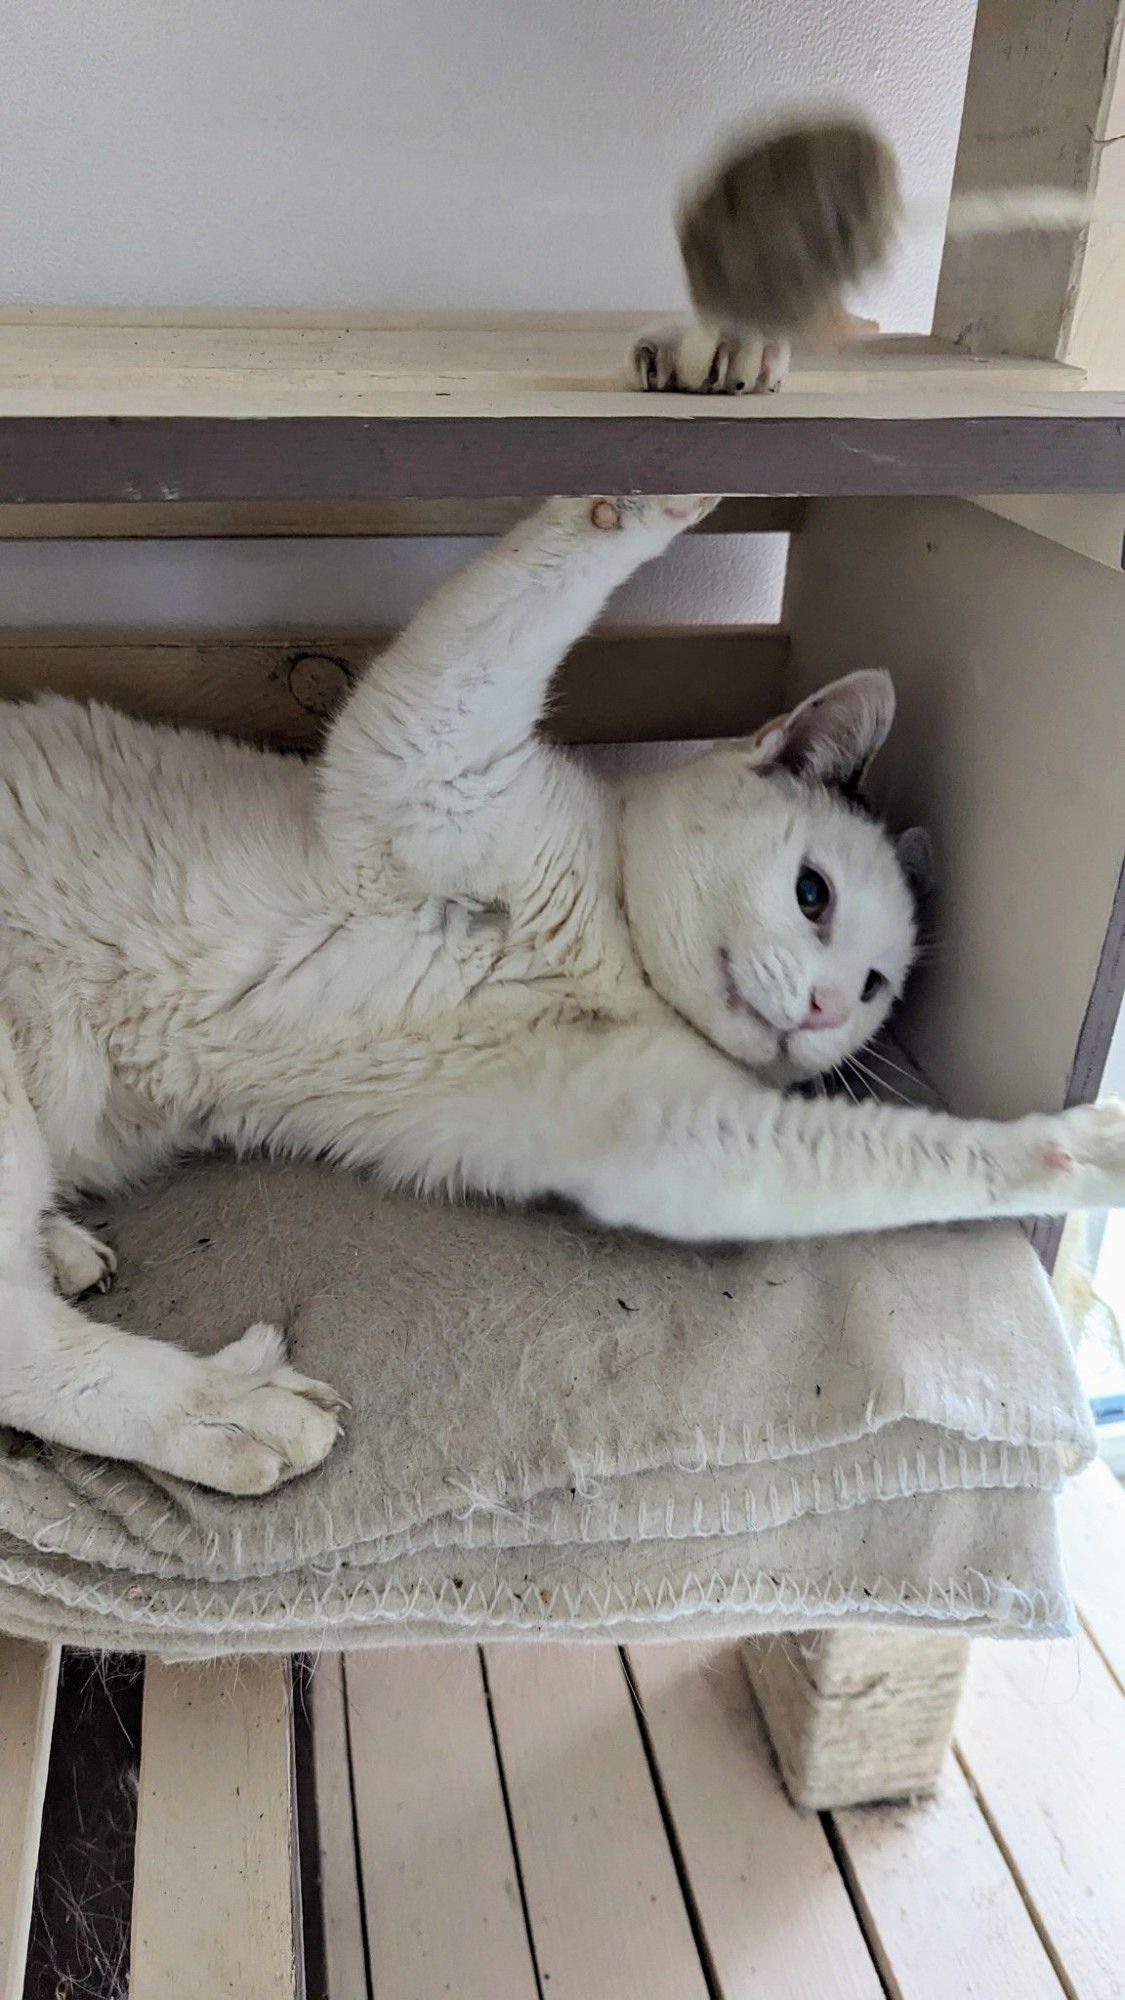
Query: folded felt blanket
[[566, 1434]]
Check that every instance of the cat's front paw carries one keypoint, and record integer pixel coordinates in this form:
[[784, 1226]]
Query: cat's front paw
[[255, 1422], [697, 361], [1086, 1151], [668, 513]]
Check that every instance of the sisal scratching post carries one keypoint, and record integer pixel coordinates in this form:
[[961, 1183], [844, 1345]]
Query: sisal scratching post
[[857, 1715]]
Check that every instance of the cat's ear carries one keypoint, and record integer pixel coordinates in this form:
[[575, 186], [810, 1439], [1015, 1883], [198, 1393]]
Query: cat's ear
[[915, 852], [831, 737]]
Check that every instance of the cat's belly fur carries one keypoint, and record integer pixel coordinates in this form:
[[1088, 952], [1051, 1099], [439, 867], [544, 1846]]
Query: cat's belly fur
[[179, 963]]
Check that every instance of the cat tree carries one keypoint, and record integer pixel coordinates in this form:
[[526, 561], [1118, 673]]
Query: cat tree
[[956, 507]]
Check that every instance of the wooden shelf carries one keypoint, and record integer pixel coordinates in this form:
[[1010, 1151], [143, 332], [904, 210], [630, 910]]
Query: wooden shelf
[[105, 408]]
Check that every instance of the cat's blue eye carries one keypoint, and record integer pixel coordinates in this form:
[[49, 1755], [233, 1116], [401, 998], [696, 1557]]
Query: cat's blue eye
[[873, 984], [814, 894]]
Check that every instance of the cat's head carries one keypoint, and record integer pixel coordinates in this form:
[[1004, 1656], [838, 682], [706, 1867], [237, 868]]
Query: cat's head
[[766, 904]]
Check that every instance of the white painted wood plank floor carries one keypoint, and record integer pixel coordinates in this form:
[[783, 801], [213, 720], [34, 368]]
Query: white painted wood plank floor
[[571, 1823]]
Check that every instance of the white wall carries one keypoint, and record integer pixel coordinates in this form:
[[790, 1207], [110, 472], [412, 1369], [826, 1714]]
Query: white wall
[[409, 153]]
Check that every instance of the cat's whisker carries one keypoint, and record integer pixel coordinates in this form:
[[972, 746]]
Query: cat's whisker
[[870, 1079], [921, 1091], [892, 1058], [881, 1085], [839, 1072], [863, 1079], [874, 1053]]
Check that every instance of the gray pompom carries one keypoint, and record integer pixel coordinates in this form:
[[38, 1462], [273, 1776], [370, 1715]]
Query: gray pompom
[[785, 220]]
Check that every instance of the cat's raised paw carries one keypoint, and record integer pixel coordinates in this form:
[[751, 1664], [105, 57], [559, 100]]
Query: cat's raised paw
[[80, 1261], [255, 1422], [667, 512], [694, 360]]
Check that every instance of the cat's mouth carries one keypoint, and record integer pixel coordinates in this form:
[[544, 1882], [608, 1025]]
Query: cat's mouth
[[738, 1003]]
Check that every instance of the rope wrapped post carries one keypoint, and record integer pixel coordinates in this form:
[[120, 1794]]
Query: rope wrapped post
[[857, 1715]]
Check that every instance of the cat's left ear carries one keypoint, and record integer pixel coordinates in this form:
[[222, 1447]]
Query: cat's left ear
[[831, 738]]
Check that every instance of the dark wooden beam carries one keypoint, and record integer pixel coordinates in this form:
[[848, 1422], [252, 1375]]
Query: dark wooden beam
[[173, 520], [83, 459]]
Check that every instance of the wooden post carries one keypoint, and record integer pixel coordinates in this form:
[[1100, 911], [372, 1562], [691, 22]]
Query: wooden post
[[1044, 106]]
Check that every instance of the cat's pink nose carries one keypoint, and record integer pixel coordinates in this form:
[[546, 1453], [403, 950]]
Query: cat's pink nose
[[827, 1008]]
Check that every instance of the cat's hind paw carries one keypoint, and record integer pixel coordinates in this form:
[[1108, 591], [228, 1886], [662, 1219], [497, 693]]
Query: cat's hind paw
[[695, 360]]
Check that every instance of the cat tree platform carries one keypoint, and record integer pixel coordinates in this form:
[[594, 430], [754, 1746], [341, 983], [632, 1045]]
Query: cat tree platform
[[1001, 623], [1004, 640], [104, 409]]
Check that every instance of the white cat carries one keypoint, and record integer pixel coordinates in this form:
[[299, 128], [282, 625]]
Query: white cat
[[447, 950]]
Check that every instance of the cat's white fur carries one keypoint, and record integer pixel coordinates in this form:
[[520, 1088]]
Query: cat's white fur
[[447, 950]]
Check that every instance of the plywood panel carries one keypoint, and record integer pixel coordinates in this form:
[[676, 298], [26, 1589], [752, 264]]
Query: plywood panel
[[606, 1911], [28, 1679], [1042, 1738], [940, 1905], [1092, 524], [615, 687], [1006, 652], [213, 1892], [771, 1904], [439, 1877]]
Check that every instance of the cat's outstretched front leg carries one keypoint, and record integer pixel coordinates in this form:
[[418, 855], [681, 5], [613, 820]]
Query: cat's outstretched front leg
[[655, 1131], [796, 1169], [436, 747]]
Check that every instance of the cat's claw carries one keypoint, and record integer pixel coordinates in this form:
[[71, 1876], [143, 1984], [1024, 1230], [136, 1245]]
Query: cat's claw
[[698, 361], [80, 1261]]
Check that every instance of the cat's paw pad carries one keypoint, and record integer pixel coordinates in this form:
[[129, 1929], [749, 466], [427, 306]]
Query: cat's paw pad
[[1091, 1139], [257, 1422], [80, 1261], [696, 361], [665, 512]]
